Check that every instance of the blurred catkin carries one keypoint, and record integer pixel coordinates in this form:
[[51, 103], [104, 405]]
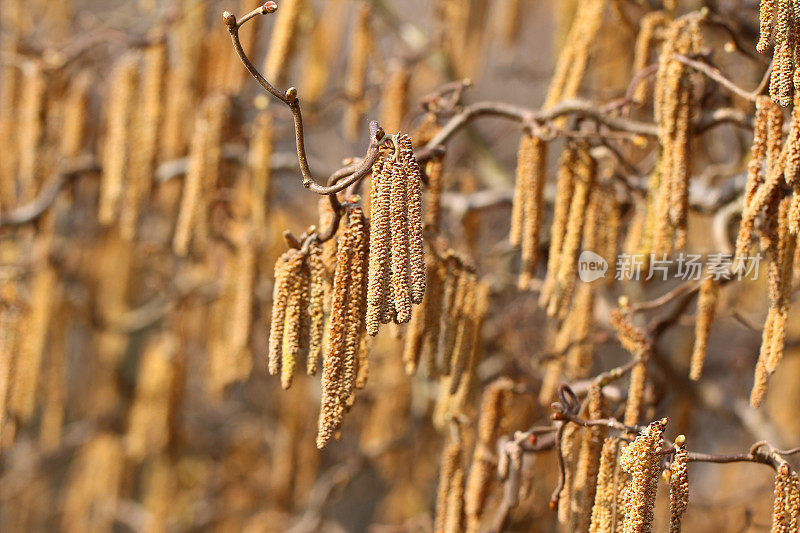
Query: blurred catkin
[[356, 77], [605, 493], [117, 151], [494, 407], [678, 484], [451, 476], [706, 308], [283, 43], [394, 100], [32, 124]]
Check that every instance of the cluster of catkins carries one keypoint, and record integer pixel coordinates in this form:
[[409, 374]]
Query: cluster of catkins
[[786, 505], [674, 111], [379, 273], [297, 312], [396, 254], [462, 496], [771, 193], [779, 19]]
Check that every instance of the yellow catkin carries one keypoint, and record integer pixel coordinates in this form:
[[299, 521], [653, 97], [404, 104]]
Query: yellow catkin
[[574, 56], [553, 375], [416, 248], [568, 255], [333, 371], [565, 186], [117, 153], [512, 22], [148, 422], [259, 161], [793, 502], [494, 406], [93, 482], [31, 132], [525, 165], [635, 403], [295, 319], [631, 337], [440, 279], [356, 302], [380, 239], [324, 43], [283, 42], [533, 209], [280, 297], [144, 146], [642, 463], [433, 197], [73, 130], [416, 334], [755, 176], [446, 504], [766, 15], [570, 447], [356, 77], [462, 342], [678, 484], [605, 494], [644, 42], [316, 308], [33, 336], [9, 332], [779, 514], [588, 464], [191, 197], [706, 308], [401, 275], [394, 100], [789, 161], [780, 87], [449, 321]]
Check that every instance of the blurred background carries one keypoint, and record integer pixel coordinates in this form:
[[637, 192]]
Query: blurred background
[[145, 183]]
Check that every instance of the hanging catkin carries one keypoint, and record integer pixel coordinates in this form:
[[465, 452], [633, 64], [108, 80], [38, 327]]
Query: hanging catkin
[[117, 147], [574, 56], [416, 250], [280, 297], [588, 465], [494, 406], [780, 517], [648, 26], [316, 308], [295, 318], [570, 447], [534, 165], [706, 307], [565, 186], [394, 100], [573, 234], [192, 186], [401, 275], [433, 198], [451, 475], [356, 77], [793, 502], [605, 493], [674, 110], [283, 43], [348, 297], [784, 54], [380, 243], [678, 484], [756, 171], [635, 403], [356, 301], [146, 124], [642, 462]]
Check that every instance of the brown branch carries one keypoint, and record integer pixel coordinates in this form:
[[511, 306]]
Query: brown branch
[[30, 212], [715, 74]]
